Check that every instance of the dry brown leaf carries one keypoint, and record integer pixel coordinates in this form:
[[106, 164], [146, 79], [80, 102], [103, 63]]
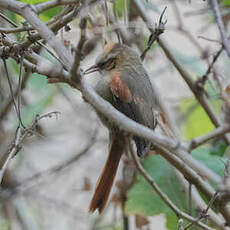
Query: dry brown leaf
[[141, 221]]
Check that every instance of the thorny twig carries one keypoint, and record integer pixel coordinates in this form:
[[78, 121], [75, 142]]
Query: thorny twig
[[204, 213], [199, 204], [155, 35], [201, 82]]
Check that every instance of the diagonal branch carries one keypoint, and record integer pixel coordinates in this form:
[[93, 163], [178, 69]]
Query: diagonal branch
[[40, 7], [219, 22], [218, 132]]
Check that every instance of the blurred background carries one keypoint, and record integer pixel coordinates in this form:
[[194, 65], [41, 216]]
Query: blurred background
[[49, 183]]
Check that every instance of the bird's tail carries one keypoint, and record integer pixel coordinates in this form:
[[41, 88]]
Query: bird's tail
[[107, 176]]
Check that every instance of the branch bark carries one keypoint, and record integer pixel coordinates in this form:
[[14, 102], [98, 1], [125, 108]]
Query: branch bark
[[220, 25]]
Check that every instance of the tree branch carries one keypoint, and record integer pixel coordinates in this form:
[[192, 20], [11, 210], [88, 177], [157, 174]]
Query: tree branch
[[40, 7], [220, 25], [218, 132]]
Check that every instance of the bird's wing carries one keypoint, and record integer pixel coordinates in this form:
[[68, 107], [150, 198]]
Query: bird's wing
[[133, 96]]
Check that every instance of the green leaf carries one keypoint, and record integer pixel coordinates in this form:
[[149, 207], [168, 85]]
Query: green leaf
[[172, 221], [38, 82], [226, 2], [4, 224], [48, 14], [218, 148], [33, 1], [43, 96], [213, 162], [120, 7], [196, 120]]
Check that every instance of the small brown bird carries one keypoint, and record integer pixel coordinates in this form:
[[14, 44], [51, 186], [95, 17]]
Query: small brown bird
[[126, 85]]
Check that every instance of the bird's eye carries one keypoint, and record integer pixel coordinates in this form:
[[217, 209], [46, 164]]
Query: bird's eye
[[108, 65]]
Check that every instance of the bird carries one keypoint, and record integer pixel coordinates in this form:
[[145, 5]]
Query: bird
[[125, 84]]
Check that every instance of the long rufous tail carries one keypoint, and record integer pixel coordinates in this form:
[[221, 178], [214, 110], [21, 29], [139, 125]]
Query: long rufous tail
[[107, 176]]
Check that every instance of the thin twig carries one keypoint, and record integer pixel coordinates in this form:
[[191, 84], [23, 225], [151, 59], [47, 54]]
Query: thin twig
[[199, 203], [8, 103], [20, 89], [50, 52], [155, 34], [14, 30], [15, 147], [8, 20], [204, 213], [204, 78], [78, 51], [209, 39], [40, 7], [219, 22], [190, 199], [12, 92], [218, 132]]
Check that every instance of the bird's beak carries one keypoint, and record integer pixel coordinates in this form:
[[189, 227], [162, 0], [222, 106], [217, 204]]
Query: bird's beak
[[92, 69]]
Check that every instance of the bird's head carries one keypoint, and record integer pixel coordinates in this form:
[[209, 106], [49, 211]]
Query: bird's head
[[114, 57]]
